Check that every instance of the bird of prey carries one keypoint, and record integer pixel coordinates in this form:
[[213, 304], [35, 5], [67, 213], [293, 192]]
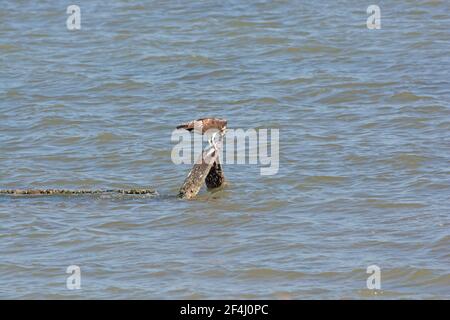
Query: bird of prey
[[205, 125]]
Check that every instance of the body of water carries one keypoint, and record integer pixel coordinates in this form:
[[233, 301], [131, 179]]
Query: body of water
[[364, 174]]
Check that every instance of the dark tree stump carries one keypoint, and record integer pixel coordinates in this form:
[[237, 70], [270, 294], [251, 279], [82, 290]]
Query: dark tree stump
[[215, 177]]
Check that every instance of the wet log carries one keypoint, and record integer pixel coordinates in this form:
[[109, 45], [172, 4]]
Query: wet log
[[77, 192], [206, 170]]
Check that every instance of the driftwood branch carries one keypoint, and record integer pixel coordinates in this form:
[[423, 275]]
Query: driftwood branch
[[77, 192], [206, 170]]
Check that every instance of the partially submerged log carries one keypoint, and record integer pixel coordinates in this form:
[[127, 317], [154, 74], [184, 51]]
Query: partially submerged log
[[196, 177], [77, 192], [206, 170]]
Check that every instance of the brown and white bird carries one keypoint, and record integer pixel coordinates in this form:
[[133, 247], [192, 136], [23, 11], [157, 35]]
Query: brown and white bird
[[204, 125]]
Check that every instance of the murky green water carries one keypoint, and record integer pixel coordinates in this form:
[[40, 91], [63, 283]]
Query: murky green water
[[364, 171]]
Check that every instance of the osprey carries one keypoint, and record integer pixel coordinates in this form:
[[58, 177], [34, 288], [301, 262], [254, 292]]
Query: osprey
[[205, 125]]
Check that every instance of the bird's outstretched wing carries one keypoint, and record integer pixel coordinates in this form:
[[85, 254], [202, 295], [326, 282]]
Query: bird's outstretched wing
[[204, 124], [188, 126]]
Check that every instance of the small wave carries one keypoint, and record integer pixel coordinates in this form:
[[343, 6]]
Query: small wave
[[107, 137], [120, 225], [319, 180], [394, 205], [120, 85], [9, 48], [407, 97], [258, 273], [211, 74]]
